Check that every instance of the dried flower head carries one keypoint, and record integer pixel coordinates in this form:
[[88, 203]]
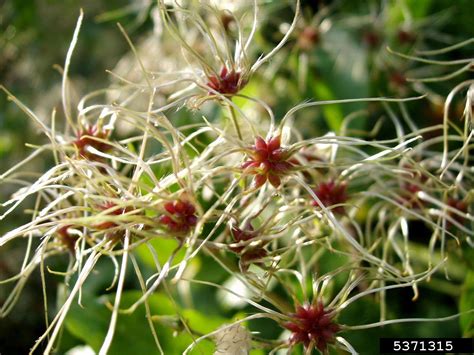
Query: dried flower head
[[222, 66]]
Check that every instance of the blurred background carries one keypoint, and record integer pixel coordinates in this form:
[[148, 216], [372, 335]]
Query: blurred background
[[338, 51]]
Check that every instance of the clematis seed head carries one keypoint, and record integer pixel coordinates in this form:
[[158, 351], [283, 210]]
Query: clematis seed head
[[180, 216], [268, 161], [90, 137], [332, 193], [312, 325], [228, 82]]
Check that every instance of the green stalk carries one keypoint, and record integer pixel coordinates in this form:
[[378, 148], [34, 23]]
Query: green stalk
[[233, 117]]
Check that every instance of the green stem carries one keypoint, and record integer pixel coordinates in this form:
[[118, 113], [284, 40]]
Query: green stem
[[234, 121]]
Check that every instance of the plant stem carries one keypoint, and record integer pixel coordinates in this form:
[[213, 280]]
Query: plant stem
[[234, 121]]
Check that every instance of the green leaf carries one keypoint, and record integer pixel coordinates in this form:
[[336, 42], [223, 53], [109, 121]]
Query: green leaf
[[6, 143], [398, 9], [332, 113], [163, 247], [466, 304], [133, 334], [202, 323], [342, 65]]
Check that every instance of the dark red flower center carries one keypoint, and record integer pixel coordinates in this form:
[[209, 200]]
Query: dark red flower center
[[66, 238], [248, 253], [332, 193], [114, 211], [371, 39], [180, 216], [312, 325], [228, 82], [91, 137], [459, 205], [398, 79], [308, 38], [406, 37], [268, 161]]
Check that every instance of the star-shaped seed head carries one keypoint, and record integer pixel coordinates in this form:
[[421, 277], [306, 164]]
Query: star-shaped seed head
[[312, 325], [268, 161], [228, 82]]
